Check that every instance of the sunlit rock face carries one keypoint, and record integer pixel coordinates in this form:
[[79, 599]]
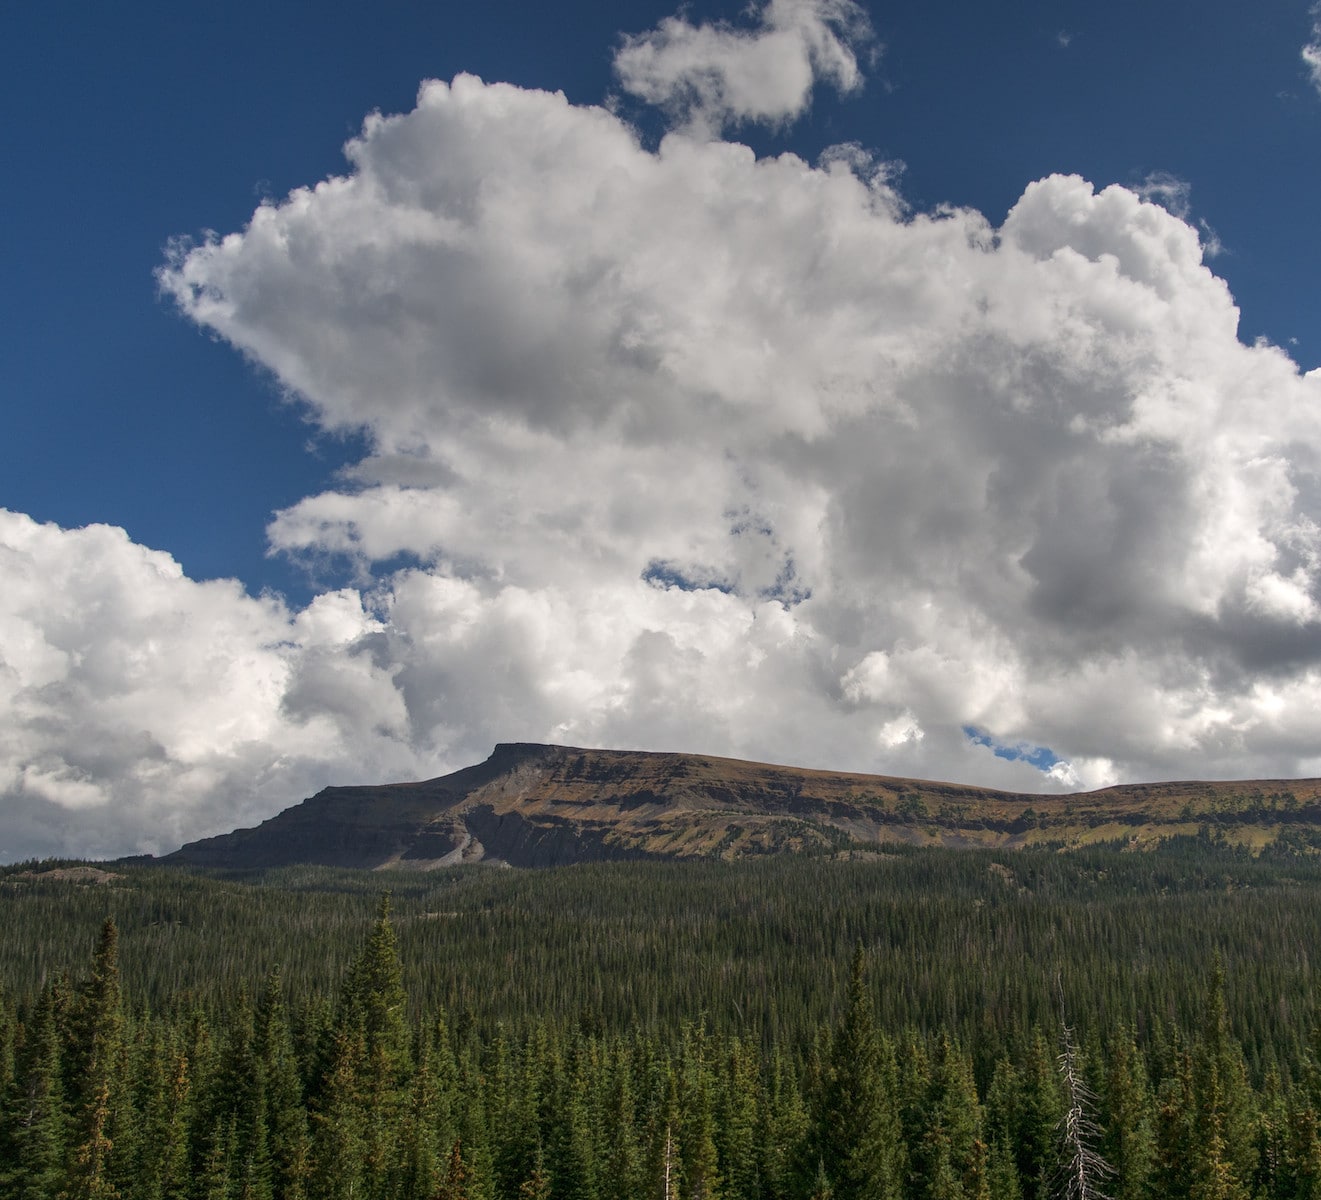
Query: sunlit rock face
[[541, 806]]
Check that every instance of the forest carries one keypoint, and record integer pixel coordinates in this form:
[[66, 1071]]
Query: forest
[[927, 1024]]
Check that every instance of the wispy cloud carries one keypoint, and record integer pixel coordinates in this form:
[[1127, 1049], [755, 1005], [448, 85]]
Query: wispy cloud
[[1311, 52], [1169, 191], [1175, 196], [709, 77]]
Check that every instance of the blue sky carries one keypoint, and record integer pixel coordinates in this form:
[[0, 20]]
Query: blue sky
[[131, 128], [137, 125]]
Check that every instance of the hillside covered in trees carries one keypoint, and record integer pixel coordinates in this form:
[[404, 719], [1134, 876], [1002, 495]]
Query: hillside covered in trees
[[786, 1028]]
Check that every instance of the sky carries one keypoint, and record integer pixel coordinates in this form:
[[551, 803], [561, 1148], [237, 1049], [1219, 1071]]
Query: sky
[[927, 388]]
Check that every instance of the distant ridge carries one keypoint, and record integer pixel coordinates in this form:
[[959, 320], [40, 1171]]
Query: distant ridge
[[531, 805]]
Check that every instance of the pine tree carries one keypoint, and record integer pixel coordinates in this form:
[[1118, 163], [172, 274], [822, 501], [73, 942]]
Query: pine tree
[[1000, 1126], [98, 1022], [623, 1169], [1304, 1147], [287, 1143], [33, 1151], [419, 1156], [374, 1007], [1041, 1108], [1223, 1158], [783, 1128], [537, 1185], [736, 1129], [455, 1185], [857, 1127], [336, 1125], [1175, 1129], [162, 1167], [1129, 1142]]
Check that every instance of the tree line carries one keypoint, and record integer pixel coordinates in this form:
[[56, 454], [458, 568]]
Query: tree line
[[972, 943]]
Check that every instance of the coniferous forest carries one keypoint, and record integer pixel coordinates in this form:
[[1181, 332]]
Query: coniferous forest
[[925, 1024]]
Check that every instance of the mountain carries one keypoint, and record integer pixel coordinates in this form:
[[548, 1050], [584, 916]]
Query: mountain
[[531, 806]]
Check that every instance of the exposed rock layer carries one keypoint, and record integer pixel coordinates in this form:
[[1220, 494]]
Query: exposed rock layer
[[534, 806]]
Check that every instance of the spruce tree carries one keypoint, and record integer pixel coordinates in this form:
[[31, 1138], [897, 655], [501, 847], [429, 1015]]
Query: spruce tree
[[576, 1132], [8, 1033], [172, 1131], [782, 1129], [161, 1169], [666, 1159], [701, 1165], [98, 1023], [1000, 1126], [455, 1185], [739, 1107], [241, 1102], [857, 1129], [1223, 1162], [1129, 1141], [374, 1008], [1274, 1176], [287, 1143], [1175, 1129], [1304, 1147], [955, 1119], [537, 1185], [1041, 1109], [419, 1155], [623, 1169], [337, 1123], [33, 1147]]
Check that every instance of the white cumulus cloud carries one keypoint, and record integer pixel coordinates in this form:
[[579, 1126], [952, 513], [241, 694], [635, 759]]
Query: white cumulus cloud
[[139, 708], [691, 449], [713, 76]]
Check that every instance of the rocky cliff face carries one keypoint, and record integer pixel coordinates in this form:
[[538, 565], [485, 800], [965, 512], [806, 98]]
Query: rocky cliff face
[[532, 806]]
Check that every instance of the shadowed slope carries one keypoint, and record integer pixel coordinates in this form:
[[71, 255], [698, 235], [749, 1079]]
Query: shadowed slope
[[533, 805]]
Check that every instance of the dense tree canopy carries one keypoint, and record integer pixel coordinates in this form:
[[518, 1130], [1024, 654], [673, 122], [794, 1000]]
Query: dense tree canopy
[[427, 1058]]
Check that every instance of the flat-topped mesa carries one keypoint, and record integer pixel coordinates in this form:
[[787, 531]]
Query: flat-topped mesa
[[544, 805]]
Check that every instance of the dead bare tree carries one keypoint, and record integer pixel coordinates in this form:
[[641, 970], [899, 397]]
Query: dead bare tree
[[1085, 1169]]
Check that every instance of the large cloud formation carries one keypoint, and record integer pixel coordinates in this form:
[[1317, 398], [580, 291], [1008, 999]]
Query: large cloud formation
[[134, 700], [687, 449]]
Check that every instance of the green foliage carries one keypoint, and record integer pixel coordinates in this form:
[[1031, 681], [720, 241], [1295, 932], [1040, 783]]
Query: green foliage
[[33, 1148], [697, 1031], [857, 1144], [1129, 1145]]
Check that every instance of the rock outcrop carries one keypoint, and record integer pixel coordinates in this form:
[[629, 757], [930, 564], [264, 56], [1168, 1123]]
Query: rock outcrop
[[534, 806]]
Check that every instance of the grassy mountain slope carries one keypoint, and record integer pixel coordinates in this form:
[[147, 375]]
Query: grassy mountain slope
[[534, 805]]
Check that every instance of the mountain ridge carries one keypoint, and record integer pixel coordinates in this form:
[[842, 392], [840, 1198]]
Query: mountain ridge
[[535, 805]]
